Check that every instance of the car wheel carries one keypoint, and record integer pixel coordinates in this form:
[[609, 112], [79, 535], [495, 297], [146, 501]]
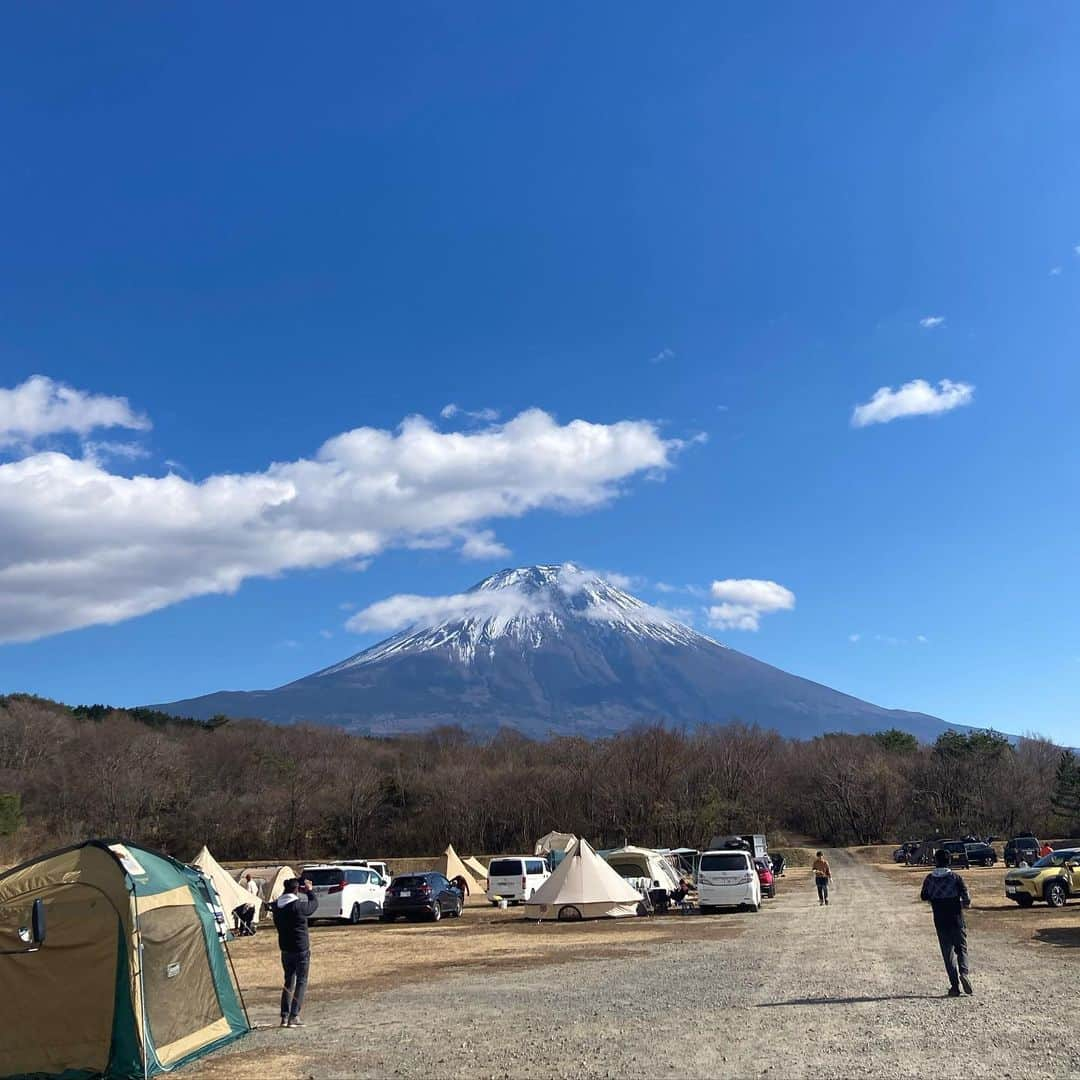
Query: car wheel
[[1025, 901], [988, 861], [1056, 896], [753, 908], [436, 912], [354, 915], [569, 913]]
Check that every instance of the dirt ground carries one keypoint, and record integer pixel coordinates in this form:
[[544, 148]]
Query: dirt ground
[[855, 989]]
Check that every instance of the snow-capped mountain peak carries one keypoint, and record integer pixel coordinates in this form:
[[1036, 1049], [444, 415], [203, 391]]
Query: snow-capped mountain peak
[[527, 607]]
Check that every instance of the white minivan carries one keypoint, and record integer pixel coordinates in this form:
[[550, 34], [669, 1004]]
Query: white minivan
[[515, 878], [345, 892], [728, 879]]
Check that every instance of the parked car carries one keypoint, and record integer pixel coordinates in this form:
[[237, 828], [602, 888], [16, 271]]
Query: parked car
[[377, 865], [957, 850], [907, 851], [427, 895], [766, 878], [1021, 849], [1055, 879], [728, 879], [515, 878], [345, 892], [980, 854]]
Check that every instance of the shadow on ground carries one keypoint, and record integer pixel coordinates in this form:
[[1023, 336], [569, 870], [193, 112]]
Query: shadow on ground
[[849, 1000], [1066, 937]]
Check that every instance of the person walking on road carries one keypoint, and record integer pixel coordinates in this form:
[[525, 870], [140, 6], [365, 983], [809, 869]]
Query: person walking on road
[[291, 914], [947, 894], [822, 878]]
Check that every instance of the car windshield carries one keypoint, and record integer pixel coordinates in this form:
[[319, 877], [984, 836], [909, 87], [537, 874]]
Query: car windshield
[[332, 876], [1055, 858], [723, 862], [505, 868], [407, 882]]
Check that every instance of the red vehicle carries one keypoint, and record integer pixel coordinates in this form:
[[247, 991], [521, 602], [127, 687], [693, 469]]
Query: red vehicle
[[765, 876]]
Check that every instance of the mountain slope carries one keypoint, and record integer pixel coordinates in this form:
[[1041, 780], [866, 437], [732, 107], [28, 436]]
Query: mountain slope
[[554, 649]]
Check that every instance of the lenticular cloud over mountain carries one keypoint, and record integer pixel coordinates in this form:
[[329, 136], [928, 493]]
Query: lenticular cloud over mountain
[[552, 649]]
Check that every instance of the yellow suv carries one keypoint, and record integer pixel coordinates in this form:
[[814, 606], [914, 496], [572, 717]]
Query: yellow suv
[[1054, 878]]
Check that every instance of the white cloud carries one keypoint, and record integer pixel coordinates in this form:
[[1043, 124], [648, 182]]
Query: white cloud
[[663, 355], [406, 609], [41, 407], [921, 639], [1055, 270], [931, 322], [1076, 249], [327, 634], [854, 638], [742, 602], [84, 546], [916, 398], [483, 545], [99, 452], [487, 416]]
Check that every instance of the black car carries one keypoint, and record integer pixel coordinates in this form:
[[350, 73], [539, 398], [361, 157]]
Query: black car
[[980, 854], [414, 895], [957, 849], [1021, 849]]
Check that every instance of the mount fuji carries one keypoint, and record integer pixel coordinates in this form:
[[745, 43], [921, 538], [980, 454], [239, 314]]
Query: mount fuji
[[553, 650]]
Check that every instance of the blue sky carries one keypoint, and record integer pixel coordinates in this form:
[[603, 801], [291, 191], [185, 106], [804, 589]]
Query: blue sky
[[265, 228]]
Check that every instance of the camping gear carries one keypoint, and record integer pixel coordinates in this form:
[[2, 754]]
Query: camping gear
[[270, 879], [583, 886], [554, 847], [450, 866], [642, 863], [233, 894], [131, 979], [478, 870]]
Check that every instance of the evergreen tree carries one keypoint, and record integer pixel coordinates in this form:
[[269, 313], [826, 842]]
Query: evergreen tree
[[1066, 797]]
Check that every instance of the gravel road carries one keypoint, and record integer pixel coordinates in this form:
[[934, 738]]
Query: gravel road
[[854, 989]]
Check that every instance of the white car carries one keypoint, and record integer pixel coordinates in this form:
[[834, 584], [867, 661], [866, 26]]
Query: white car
[[345, 892], [378, 866], [728, 879], [515, 878]]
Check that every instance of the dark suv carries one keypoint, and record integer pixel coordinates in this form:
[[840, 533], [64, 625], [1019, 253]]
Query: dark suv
[[428, 894], [1021, 849], [980, 855], [958, 854]]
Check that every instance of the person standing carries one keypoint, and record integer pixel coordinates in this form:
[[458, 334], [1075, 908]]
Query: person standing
[[251, 885], [822, 878], [291, 914], [947, 894]]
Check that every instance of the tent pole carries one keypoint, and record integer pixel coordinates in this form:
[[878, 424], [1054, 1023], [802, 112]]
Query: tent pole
[[236, 980], [142, 987]]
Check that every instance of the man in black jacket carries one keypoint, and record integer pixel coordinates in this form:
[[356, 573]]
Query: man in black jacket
[[948, 896], [291, 914]]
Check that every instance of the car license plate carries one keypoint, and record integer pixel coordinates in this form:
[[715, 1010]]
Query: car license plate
[[405, 892]]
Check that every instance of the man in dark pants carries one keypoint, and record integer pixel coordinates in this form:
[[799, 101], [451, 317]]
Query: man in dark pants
[[948, 896], [291, 914]]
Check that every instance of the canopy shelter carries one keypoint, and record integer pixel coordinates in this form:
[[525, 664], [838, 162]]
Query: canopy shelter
[[232, 893], [451, 866], [270, 879], [583, 886], [638, 862], [477, 868], [131, 979]]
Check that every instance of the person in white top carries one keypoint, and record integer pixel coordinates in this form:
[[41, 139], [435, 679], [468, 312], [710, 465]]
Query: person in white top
[[251, 885]]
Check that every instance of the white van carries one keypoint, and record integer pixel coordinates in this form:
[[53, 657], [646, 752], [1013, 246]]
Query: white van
[[728, 879], [515, 878], [377, 865], [350, 893]]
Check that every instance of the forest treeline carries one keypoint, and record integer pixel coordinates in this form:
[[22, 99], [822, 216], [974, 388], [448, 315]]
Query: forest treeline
[[252, 790]]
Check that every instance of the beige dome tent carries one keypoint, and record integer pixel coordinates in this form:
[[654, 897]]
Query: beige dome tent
[[232, 894], [478, 869], [639, 862], [270, 879], [583, 886], [451, 866], [553, 842]]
